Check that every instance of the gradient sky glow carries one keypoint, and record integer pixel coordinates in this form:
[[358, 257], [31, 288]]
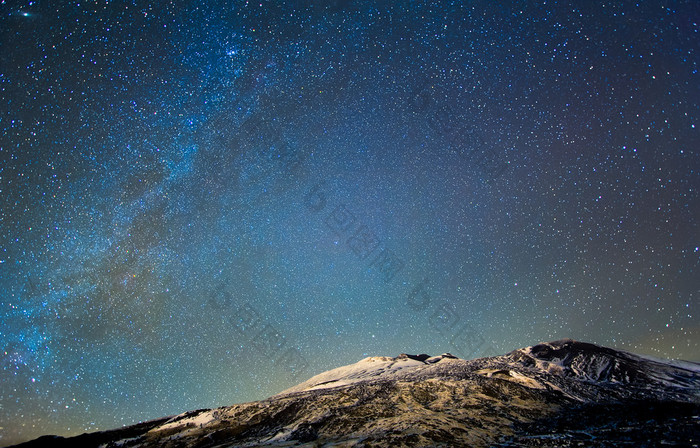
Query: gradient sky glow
[[204, 203]]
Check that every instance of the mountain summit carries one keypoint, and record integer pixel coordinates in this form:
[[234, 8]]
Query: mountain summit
[[561, 393]]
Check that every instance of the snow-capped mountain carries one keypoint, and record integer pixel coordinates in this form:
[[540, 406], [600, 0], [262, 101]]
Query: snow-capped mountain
[[562, 393]]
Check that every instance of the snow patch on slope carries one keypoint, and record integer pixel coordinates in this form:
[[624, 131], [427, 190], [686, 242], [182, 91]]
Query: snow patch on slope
[[687, 365], [512, 376], [372, 368], [200, 419]]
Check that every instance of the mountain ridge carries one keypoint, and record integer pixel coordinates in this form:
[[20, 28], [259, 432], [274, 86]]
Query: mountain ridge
[[533, 396]]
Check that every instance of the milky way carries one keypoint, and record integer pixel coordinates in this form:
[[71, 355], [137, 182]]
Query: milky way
[[204, 204]]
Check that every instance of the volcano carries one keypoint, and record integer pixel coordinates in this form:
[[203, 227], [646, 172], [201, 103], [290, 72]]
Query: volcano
[[562, 393]]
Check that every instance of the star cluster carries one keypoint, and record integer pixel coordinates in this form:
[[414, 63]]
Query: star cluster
[[203, 203]]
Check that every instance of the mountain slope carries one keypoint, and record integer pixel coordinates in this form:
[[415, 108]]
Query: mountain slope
[[562, 393]]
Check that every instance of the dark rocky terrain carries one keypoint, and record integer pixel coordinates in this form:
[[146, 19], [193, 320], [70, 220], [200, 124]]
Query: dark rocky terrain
[[558, 394]]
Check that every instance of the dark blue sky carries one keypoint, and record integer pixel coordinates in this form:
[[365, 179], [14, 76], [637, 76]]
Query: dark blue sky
[[204, 203]]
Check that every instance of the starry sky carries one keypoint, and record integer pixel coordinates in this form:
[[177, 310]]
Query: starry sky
[[203, 203]]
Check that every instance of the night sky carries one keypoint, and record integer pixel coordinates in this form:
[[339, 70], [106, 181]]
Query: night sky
[[204, 203]]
